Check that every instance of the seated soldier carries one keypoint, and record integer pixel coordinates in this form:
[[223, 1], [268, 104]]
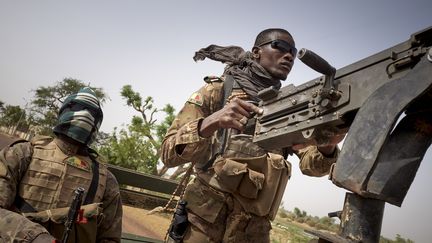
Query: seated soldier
[[38, 180]]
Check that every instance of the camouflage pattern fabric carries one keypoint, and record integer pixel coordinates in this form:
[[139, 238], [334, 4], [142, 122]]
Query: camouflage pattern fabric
[[80, 116], [213, 213], [14, 227]]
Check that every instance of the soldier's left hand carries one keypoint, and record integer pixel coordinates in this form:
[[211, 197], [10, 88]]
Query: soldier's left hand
[[327, 148]]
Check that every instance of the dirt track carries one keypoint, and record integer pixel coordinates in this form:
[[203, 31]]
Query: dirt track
[[137, 221], [4, 140]]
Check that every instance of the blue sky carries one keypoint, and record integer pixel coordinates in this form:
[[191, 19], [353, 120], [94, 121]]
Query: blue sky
[[150, 44]]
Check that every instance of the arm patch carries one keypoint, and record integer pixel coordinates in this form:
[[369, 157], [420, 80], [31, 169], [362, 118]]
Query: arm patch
[[196, 98]]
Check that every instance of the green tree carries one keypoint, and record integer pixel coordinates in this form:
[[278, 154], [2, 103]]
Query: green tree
[[398, 239], [13, 116], [47, 101], [138, 146], [297, 212]]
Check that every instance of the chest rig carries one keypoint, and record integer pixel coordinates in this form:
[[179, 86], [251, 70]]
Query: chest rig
[[230, 142], [53, 175], [254, 176]]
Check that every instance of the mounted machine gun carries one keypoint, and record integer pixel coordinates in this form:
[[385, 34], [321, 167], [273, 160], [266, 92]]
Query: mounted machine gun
[[380, 156]]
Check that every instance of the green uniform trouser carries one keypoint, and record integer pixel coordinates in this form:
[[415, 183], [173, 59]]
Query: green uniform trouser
[[216, 216]]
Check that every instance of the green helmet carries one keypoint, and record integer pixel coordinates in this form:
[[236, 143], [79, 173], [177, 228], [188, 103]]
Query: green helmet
[[80, 116]]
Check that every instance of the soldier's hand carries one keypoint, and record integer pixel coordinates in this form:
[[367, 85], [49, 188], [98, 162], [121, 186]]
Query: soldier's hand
[[326, 149], [44, 238], [235, 115]]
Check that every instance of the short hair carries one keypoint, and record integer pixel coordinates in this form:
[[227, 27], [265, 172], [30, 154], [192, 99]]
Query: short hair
[[263, 35]]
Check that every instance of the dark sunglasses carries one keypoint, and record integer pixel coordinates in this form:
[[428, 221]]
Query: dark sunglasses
[[282, 46]]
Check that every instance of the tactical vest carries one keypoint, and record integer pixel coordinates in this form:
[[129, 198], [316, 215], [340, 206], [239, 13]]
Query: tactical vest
[[49, 183], [255, 177]]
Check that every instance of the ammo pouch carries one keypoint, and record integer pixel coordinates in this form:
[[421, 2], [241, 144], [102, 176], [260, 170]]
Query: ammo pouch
[[53, 220], [258, 183]]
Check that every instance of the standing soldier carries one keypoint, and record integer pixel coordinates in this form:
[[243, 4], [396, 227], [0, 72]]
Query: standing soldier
[[239, 185], [38, 180]]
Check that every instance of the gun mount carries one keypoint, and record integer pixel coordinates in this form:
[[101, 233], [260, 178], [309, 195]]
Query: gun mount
[[323, 106], [380, 156]]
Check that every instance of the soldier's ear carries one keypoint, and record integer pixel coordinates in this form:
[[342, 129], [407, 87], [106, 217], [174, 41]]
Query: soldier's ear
[[256, 51]]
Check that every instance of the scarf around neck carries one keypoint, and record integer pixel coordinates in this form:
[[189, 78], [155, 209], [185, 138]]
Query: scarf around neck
[[250, 75]]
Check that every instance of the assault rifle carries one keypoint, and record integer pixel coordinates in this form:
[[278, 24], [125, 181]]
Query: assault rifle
[[366, 99], [73, 213]]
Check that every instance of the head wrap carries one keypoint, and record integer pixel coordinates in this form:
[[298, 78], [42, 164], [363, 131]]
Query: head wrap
[[251, 76], [80, 116]]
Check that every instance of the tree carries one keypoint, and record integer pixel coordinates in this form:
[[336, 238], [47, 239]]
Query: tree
[[1, 106], [297, 212], [13, 116], [47, 101], [138, 146], [398, 239]]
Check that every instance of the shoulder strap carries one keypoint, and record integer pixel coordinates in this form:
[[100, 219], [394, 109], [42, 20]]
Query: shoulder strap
[[222, 133], [94, 182], [19, 203]]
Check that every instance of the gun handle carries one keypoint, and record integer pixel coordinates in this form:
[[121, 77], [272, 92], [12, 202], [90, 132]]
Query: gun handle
[[316, 62]]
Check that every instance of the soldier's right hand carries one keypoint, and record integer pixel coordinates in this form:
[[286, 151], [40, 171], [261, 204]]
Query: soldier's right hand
[[44, 238], [235, 115]]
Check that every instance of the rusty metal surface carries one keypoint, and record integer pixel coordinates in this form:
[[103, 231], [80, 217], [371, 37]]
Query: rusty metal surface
[[361, 218], [371, 128]]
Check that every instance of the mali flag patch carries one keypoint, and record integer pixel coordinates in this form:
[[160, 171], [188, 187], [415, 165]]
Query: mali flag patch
[[78, 163], [196, 98]]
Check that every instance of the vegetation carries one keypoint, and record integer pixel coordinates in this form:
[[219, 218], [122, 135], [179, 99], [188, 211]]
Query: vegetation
[[42, 110], [13, 116], [47, 102], [398, 239], [137, 147], [289, 227]]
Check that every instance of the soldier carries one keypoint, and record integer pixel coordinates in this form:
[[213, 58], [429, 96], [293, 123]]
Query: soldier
[[238, 185], [38, 179]]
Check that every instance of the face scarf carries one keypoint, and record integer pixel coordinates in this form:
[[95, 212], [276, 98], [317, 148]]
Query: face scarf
[[80, 116], [251, 76]]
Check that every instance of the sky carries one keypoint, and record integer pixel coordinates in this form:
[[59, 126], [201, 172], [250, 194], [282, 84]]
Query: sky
[[150, 44]]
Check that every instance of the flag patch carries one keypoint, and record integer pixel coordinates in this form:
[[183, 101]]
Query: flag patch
[[196, 98], [78, 163]]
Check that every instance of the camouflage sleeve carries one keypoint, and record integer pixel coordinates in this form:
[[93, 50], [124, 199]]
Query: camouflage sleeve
[[109, 230], [14, 227], [314, 163], [182, 143]]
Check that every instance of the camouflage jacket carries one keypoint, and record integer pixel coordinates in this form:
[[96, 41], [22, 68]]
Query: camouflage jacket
[[14, 161], [184, 133]]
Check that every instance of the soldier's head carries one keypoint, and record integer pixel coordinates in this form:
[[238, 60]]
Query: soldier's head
[[80, 117], [274, 49]]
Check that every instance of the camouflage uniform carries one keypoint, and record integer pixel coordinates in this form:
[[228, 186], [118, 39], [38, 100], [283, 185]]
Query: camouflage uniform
[[235, 199], [44, 173]]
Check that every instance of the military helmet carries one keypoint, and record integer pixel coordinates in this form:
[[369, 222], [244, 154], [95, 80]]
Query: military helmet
[[80, 116]]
